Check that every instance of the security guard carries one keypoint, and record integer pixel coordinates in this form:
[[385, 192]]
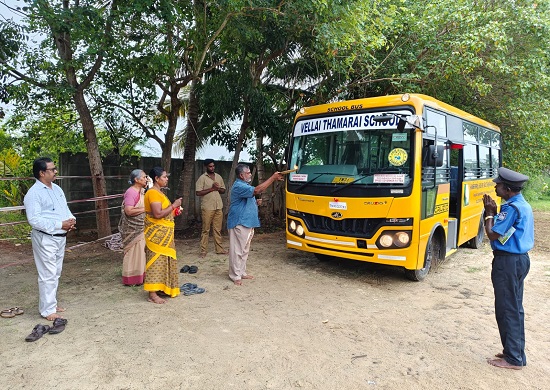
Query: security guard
[[512, 235]]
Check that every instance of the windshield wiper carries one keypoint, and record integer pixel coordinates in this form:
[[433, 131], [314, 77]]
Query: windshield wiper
[[301, 187], [348, 184]]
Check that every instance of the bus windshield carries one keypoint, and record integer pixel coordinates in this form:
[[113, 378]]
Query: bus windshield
[[353, 157]]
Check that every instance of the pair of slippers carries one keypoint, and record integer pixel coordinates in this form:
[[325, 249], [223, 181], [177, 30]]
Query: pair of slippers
[[191, 269], [40, 330], [12, 312], [191, 289]]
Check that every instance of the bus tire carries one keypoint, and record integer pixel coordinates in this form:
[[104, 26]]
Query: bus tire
[[477, 241], [322, 257], [433, 256]]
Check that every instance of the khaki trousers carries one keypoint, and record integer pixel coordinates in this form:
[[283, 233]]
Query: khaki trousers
[[239, 247], [214, 219]]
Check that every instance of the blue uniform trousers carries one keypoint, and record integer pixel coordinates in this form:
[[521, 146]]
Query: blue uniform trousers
[[508, 273]]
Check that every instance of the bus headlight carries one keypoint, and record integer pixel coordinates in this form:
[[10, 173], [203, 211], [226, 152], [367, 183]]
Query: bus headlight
[[295, 227], [386, 240], [292, 226], [394, 239], [401, 239]]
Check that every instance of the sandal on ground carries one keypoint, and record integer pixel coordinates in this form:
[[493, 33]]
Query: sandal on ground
[[7, 313], [197, 290], [38, 331], [58, 326], [193, 269], [184, 269], [17, 310], [188, 286], [12, 312]]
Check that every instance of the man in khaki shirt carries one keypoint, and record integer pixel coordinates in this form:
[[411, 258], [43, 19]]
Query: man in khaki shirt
[[209, 186]]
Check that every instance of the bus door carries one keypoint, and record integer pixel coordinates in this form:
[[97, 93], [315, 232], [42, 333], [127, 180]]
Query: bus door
[[456, 177]]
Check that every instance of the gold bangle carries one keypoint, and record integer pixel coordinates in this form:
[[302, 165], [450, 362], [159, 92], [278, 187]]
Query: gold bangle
[[489, 217]]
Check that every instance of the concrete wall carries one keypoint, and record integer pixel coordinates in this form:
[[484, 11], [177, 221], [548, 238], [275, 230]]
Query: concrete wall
[[77, 183]]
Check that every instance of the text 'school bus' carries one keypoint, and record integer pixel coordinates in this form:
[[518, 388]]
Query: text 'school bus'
[[395, 180]]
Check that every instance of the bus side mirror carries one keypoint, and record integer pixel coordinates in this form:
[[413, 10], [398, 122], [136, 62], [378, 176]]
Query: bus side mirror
[[433, 156]]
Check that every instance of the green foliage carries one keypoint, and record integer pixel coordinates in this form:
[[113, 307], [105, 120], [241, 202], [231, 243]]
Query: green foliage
[[11, 165], [537, 188], [263, 61], [487, 58]]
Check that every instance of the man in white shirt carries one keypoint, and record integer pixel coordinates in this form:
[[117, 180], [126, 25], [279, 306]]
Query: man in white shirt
[[50, 219]]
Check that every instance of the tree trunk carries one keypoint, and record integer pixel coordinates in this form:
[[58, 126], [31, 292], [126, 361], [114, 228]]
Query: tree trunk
[[263, 210], [175, 105], [96, 167], [186, 185], [64, 48]]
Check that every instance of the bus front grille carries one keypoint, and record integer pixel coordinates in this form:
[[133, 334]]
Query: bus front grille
[[349, 227]]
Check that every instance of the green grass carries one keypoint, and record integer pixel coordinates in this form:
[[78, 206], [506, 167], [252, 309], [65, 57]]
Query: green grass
[[542, 204], [15, 233]]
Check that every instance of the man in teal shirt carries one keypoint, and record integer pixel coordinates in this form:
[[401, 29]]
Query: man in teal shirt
[[242, 219]]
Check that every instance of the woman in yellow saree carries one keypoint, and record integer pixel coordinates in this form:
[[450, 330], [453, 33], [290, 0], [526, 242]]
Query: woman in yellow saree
[[161, 270]]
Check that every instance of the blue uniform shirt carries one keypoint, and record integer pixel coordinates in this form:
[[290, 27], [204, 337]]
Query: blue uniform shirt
[[517, 233], [243, 209]]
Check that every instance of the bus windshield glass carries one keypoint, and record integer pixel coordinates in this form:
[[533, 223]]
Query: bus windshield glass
[[360, 152]]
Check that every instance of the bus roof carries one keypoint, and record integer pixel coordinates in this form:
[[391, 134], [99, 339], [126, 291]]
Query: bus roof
[[416, 100]]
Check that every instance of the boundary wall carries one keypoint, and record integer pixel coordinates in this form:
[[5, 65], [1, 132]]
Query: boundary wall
[[116, 169]]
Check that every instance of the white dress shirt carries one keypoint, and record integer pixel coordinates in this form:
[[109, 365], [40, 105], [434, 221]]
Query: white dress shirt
[[47, 208]]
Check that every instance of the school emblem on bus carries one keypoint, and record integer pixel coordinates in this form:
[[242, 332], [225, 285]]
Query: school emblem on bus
[[397, 157]]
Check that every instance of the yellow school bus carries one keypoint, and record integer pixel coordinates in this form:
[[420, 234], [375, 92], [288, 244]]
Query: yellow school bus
[[395, 180]]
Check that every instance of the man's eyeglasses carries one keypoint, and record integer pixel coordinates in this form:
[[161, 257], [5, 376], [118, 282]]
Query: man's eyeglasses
[[54, 169]]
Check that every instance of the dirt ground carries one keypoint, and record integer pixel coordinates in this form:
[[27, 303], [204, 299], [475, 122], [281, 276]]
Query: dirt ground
[[300, 323]]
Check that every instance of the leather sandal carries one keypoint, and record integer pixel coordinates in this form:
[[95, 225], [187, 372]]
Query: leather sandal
[[17, 310], [58, 326], [38, 331], [7, 313]]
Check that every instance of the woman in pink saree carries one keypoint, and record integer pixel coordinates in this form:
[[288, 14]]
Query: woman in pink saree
[[131, 229]]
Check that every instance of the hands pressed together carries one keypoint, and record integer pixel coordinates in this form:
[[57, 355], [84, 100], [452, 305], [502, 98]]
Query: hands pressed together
[[490, 205]]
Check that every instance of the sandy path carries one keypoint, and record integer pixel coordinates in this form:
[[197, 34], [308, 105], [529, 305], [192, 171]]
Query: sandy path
[[299, 324]]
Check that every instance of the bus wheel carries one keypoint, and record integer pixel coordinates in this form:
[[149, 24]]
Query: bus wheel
[[433, 255], [322, 257], [477, 241]]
